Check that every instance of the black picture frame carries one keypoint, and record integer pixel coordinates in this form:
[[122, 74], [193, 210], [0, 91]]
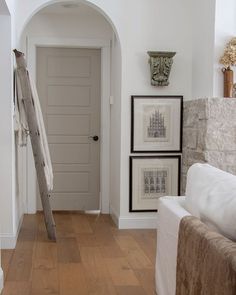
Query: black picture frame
[[135, 185], [174, 103]]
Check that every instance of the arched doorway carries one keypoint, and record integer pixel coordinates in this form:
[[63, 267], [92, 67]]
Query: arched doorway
[[77, 26]]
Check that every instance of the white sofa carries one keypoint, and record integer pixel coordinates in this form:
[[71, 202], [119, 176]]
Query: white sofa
[[170, 211], [210, 196]]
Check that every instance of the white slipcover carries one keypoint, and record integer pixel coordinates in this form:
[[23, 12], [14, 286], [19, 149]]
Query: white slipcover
[[170, 212]]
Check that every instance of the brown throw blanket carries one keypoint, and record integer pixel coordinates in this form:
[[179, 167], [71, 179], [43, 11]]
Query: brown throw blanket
[[206, 261]]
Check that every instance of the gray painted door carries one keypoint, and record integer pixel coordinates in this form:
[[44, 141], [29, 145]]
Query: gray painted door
[[68, 82]]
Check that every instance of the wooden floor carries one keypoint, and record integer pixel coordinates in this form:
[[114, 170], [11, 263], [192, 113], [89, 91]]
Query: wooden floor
[[91, 257]]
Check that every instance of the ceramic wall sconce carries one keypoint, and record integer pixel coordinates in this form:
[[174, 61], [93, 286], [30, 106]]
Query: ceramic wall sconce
[[160, 66]]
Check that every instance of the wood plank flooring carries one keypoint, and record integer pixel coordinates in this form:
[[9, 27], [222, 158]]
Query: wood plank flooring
[[91, 257]]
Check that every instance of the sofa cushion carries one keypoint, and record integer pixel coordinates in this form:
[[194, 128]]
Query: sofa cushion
[[211, 196]]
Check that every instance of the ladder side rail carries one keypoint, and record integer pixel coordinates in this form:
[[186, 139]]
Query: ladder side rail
[[37, 151]]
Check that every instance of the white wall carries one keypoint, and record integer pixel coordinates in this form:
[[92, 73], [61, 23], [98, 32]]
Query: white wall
[[225, 29], [115, 129], [203, 22], [152, 26], [5, 139], [141, 26], [25, 10], [214, 23], [6, 132], [187, 27], [11, 203], [140, 35], [11, 5], [64, 26]]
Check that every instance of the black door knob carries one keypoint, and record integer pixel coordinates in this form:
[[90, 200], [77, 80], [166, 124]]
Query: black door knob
[[95, 137]]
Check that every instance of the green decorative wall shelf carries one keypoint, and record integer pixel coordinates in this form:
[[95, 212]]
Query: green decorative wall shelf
[[160, 66]]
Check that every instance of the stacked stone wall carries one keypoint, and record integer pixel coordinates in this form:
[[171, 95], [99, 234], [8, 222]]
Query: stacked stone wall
[[209, 134]]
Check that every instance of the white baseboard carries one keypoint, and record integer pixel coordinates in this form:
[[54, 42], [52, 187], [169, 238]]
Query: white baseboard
[[8, 241], [1, 280], [114, 216], [137, 222], [133, 222]]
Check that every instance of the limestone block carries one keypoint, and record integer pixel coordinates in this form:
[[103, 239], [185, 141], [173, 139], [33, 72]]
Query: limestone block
[[195, 110], [183, 184], [215, 158], [231, 169], [190, 115], [190, 138], [185, 169], [191, 156], [230, 158], [209, 134], [203, 110], [222, 109], [221, 139], [201, 136], [190, 118]]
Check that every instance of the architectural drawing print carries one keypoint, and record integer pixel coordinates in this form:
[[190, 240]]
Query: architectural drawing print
[[157, 127], [155, 183], [156, 123], [152, 177]]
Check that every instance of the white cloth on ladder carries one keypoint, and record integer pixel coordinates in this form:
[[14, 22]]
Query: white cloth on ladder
[[22, 126], [20, 121]]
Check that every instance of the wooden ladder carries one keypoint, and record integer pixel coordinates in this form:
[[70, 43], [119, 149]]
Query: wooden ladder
[[35, 142]]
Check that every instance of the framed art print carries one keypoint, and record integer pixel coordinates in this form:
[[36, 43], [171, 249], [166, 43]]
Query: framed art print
[[152, 177], [156, 124]]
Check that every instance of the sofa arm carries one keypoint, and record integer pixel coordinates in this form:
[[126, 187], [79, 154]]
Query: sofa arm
[[170, 211]]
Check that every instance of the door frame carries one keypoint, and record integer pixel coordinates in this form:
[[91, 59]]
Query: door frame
[[104, 45]]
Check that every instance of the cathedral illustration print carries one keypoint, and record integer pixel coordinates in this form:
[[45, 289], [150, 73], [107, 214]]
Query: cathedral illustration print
[[157, 128], [156, 123]]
